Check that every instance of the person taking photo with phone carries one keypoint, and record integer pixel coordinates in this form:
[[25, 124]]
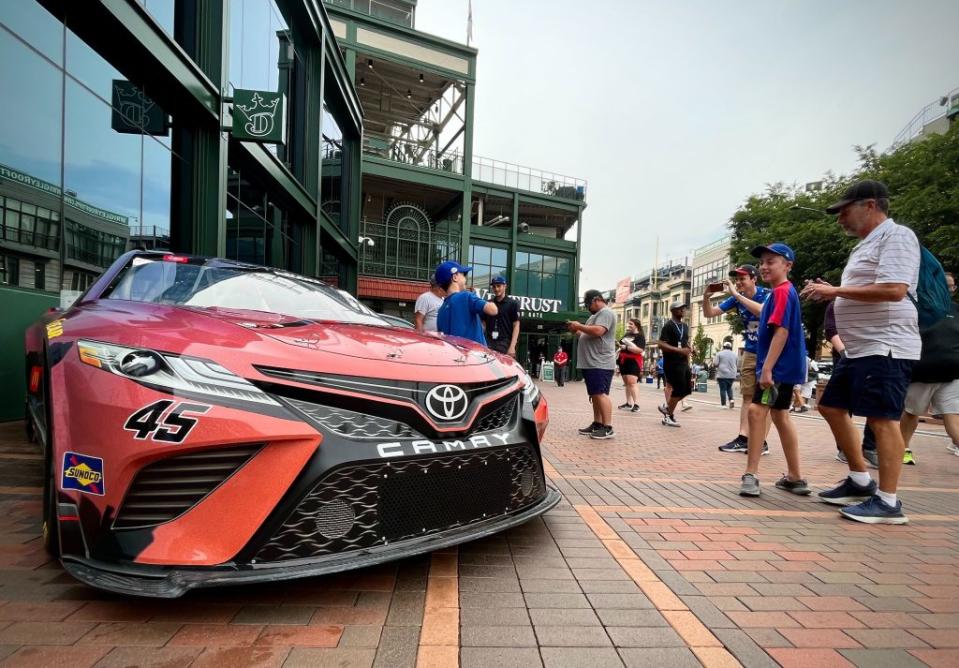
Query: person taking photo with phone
[[748, 299]]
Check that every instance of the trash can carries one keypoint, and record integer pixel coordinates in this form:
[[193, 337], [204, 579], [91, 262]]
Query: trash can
[[546, 371], [702, 381]]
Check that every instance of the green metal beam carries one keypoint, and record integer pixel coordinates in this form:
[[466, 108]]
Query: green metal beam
[[198, 187], [468, 168], [127, 37], [290, 191], [420, 175], [514, 230]]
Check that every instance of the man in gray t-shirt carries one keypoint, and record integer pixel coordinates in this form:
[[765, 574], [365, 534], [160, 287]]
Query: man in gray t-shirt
[[596, 358], [726, 363]]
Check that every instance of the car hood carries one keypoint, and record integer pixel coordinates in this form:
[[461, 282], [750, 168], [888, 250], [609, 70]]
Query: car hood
[[369, 342], [243, 340]]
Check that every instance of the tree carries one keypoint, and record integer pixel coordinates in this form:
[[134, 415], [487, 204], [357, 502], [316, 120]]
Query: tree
[[923, 180], [701, 345]]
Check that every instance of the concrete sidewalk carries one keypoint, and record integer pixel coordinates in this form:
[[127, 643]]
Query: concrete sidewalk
[[652, 559]]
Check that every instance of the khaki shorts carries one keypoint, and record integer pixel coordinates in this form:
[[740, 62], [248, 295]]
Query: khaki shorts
[[747, 381], [938, 398]]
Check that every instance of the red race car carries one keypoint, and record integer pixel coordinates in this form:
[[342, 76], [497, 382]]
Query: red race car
[[206, 422]]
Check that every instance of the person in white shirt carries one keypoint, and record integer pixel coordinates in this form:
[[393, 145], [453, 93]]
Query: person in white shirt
[[879, 326], [427, 306]]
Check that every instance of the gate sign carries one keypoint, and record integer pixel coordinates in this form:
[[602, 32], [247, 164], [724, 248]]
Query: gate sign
[[259, 116], [134, 112]]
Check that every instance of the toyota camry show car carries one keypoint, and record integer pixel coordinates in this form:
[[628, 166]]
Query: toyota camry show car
[[206, 422]]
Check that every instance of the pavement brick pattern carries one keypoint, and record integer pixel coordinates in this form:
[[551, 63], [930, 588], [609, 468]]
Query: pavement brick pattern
[[652, 559]]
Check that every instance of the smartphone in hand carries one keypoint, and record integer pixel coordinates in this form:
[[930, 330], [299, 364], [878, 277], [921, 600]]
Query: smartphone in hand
[[769, 396], [716, 287]]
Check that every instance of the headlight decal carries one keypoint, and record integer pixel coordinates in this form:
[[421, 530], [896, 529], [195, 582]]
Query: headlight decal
[[173, 373]]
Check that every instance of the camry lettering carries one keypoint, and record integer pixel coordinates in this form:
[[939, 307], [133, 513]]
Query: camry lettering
[[419, 447], [423, 446]]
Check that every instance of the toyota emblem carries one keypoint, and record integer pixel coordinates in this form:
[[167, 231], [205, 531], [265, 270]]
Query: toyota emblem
[[447, 402]]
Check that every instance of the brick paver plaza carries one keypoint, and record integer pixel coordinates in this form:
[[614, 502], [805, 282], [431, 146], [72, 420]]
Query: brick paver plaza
[[651, 560]]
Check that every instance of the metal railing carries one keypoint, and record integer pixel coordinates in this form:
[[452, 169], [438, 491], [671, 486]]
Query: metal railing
[[930, 113], [149, 231], [526, 178], [381, 10], [413, 153], [406, 253]]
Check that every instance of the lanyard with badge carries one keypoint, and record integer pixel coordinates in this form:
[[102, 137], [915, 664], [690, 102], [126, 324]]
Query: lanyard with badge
[[495, 333]]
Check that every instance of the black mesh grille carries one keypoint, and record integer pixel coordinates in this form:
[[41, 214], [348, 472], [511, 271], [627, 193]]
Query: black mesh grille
[[352, 423], [363, 418], [394, 500], [498, 418], [169, 487]]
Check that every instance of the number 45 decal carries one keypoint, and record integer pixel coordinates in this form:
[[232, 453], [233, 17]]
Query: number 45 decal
[[160, 422]]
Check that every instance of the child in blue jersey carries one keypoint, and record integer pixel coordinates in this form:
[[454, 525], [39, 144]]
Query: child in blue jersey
[[780, 364], [462, 309]]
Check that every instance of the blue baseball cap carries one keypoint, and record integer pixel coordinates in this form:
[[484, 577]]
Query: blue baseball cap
[[498, 280], [444, 272], [777, 248]]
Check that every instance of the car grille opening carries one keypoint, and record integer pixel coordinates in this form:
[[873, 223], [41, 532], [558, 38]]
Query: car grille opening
[[351, 423], [167, 488], [498, 418], [398, 500]]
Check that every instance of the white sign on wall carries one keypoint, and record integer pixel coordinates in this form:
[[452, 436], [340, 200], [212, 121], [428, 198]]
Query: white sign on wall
[[528, 305]]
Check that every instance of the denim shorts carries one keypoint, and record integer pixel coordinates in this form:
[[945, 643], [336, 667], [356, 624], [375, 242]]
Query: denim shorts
[[872, 387], [598, 381]]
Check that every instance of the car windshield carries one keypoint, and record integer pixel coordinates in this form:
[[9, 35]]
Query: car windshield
[[211, 283]]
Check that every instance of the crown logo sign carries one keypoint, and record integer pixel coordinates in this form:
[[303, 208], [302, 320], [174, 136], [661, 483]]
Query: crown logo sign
[[133, 105], [261, 115]]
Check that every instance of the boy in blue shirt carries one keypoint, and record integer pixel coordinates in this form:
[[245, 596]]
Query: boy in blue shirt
[[780, 364], [748, 299], [460, 313]]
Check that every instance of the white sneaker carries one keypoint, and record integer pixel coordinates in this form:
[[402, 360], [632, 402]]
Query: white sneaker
[[670, 421], [954, 449]]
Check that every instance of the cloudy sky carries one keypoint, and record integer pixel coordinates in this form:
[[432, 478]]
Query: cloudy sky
[[675, 111]]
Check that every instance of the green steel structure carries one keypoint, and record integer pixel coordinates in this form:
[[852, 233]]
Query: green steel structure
[[428, 197], [329, 138], [119, 129]]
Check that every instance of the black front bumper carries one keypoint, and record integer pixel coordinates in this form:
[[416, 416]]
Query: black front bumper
[[148, 581]]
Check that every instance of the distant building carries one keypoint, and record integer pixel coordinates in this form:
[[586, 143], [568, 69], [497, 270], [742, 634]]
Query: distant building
[[933, 119], [711, 264], [650, 297]]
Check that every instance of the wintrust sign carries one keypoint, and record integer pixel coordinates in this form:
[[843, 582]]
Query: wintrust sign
[[529, 304]]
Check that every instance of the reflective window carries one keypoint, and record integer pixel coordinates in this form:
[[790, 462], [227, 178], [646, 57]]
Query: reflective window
[[484, 267], [9, 270], [40, 275], [258, 229], [34, 25], [161, 11], [31, 128], [332, 155], [254, 46], [546, 276]]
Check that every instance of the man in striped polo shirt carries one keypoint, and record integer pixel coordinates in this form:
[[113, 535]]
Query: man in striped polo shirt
[[879, 326]]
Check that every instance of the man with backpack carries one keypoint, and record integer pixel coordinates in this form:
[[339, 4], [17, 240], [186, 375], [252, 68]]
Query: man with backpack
[[879, 326]]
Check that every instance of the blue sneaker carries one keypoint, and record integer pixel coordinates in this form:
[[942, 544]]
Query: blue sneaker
[[848, 492], [875, 511]]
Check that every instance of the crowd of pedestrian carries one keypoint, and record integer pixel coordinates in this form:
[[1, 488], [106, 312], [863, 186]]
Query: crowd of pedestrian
[[895, 341], [891, 325]]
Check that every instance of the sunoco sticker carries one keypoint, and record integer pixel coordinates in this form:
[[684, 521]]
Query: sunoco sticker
[[82, 473]]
